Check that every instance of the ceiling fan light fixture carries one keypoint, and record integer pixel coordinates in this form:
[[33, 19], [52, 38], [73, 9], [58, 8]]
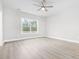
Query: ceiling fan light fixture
[[43, 9], [43, 5]]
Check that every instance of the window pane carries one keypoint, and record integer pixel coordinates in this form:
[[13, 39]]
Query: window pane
[[25, 25], [33, 25]]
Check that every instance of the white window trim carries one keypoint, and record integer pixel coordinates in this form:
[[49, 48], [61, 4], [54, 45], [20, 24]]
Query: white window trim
[[30, 32]]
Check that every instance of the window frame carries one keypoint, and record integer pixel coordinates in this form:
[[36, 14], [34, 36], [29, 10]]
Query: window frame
[[29, 32]]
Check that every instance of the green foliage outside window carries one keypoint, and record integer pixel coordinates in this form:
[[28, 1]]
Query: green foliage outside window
[[29, 26]]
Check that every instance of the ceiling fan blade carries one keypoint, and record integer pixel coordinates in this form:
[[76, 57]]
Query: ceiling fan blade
[[39, 9], [46, 9], [37, 1], [50, 2], [48, 6], [37, 5], [42, 3]]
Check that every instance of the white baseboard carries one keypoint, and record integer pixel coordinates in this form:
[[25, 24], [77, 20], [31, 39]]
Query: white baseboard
[[25, 38], [52, 37], [68, 40]]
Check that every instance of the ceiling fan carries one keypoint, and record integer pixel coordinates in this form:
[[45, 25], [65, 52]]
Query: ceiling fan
[[43, 5]]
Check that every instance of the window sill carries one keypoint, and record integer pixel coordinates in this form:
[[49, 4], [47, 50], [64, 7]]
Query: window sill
[[29, 32]]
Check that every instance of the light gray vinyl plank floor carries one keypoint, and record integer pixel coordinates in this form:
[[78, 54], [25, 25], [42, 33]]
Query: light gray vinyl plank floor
[[40, 48]]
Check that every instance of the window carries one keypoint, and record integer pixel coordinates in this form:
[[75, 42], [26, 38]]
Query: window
[[28, 25]]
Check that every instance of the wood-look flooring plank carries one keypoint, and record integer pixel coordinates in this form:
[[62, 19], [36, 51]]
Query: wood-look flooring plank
[[40, 48]]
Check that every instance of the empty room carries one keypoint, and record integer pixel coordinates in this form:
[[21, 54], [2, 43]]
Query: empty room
[[39, 29]]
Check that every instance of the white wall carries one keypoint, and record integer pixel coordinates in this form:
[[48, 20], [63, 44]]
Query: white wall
[[1, 22], [12, 25], [64, 24]]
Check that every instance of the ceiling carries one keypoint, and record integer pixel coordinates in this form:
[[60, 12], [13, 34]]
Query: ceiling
[[27, 6]]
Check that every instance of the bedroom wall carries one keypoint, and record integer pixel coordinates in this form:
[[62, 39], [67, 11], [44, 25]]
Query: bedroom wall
[[64, 24], [1, 22], [12, 25]]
